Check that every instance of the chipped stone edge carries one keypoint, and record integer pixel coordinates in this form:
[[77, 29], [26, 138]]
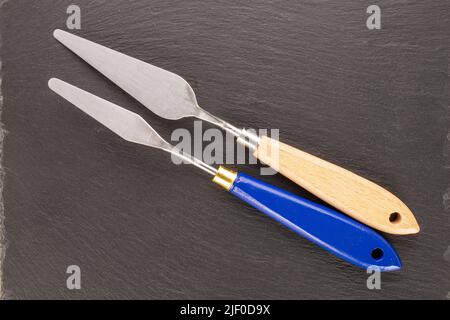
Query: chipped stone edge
[[2, 212], [446, 195]]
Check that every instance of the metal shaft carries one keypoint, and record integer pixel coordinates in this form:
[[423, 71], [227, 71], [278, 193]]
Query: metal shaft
[[243, 136], [192, 160]]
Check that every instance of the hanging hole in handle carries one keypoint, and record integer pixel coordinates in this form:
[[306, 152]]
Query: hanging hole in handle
[[395, 217], [377, 253]]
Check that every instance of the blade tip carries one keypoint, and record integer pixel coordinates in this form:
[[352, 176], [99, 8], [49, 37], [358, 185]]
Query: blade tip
[[58, 33], [54, 84]]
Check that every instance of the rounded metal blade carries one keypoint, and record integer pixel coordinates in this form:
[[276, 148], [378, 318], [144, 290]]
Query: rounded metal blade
[[163, 92], [128, 125]]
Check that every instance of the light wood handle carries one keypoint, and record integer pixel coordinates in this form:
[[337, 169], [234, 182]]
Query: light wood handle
[[354, 195]]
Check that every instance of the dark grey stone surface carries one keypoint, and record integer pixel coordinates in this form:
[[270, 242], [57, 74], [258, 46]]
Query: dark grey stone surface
[[375, 102]]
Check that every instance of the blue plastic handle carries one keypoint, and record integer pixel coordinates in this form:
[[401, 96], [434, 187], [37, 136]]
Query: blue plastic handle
[[333, 231]]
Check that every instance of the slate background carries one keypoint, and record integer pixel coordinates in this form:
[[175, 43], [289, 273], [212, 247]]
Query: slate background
[[375, 102]]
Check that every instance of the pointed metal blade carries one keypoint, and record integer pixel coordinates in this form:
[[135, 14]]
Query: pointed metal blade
[[163, 92], [129, 125]]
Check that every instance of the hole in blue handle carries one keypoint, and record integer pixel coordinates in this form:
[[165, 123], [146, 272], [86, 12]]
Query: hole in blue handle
[[377, 253]]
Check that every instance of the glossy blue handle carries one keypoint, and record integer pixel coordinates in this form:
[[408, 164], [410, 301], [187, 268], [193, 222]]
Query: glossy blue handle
[[333, 231]]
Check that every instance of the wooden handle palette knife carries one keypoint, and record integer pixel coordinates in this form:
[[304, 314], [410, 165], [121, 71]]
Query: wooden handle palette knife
[[171, 97]]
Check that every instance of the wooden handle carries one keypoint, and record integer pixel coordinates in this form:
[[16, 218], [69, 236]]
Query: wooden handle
[[356, 196]]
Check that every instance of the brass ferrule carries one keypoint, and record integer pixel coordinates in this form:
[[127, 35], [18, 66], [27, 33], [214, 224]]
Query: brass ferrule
[[225, 178]]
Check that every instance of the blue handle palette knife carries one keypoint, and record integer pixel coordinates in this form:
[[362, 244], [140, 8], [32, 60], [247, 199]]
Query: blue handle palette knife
[[331, 230]]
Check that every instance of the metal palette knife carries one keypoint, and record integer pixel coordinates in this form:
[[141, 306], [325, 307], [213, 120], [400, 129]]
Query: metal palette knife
[[333, 231], [171, 97]]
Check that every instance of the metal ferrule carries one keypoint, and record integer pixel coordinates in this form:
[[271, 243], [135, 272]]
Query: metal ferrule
[[248, 139], [225, 178]]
